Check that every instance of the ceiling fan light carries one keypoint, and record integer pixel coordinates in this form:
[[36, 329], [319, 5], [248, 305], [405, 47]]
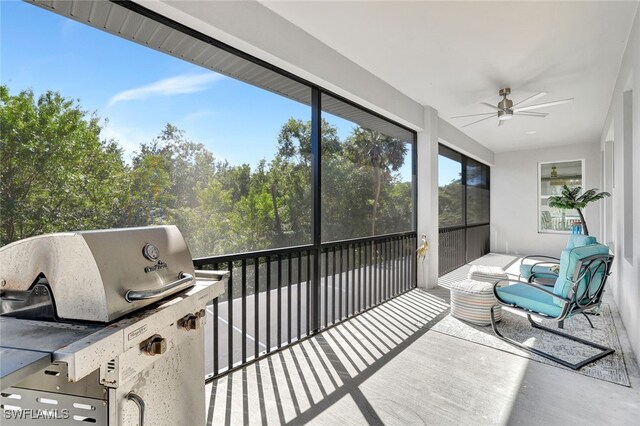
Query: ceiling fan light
[[505, 116]]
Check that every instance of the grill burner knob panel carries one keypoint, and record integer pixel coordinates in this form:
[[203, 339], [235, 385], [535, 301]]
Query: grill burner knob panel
[[155, 345], [192, 321]]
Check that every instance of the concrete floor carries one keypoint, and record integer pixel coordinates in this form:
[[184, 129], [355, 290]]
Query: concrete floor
[[387, 366]]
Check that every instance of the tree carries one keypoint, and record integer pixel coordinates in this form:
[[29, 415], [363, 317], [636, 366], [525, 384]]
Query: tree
[[290, 178], [57, 174], [570, 200], [383, 154], [450, 204]]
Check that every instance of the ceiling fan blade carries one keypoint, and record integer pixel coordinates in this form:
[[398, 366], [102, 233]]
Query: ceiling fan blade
[[532, 114], [474, 115], [482, 119], [531, 98], [547, 104], [491, 106]]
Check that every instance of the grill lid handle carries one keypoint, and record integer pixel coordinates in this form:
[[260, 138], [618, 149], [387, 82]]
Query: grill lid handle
[[133, 295]]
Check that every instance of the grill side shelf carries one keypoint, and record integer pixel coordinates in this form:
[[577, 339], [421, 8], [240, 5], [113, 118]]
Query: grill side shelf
[[18, 364]]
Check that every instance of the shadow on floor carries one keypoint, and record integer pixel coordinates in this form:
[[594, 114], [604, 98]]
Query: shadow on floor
[[295, 385]]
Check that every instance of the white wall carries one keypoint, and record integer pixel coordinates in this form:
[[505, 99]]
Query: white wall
[[514, 198], [625, 278]]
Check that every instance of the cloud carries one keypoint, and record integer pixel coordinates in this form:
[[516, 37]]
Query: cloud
[[198, 115], [178, 85]]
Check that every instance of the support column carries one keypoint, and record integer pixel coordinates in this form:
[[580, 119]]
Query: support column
[[428, 197]]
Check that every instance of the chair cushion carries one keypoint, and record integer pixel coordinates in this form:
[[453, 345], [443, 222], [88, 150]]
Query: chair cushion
[[569, 260], [579, 240], [490, 274], [527, 270], [526, 297], [575, 240]]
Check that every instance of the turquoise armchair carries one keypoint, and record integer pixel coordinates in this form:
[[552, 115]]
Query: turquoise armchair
[[578, 289], [541, 270]]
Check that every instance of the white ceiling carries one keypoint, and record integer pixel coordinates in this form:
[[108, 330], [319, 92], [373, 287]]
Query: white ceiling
[[453, 55]]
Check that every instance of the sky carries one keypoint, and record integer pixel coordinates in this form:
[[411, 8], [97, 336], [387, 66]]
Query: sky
[[138, 90]]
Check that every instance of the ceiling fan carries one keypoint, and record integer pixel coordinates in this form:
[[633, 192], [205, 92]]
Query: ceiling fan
[[506, 109]]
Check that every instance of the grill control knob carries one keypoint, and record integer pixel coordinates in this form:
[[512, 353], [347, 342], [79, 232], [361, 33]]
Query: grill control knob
[[192, 321], [156, 345]]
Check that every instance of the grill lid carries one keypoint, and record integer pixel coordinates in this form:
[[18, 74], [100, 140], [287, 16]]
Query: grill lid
[[93, 275]]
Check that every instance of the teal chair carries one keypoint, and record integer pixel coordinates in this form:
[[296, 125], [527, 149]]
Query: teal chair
[[578, 289], [541, 271]]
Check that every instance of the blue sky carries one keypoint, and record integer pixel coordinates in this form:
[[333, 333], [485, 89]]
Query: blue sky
[[139, 89]]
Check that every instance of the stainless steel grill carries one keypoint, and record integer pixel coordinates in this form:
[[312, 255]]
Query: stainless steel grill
[[103, 327]]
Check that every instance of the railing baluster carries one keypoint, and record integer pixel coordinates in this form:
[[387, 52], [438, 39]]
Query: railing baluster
[[340, 266], [385, 270], [401, 264], [353, 282], [268, 308], [389, 269], [412, 257], [326, 288], [299, 294], [360, 272], [333, 286], [244, 311], [376, 270], [279, 310], [366, 279], [407, 264], [414, 264], [230, 317], [289, 279], [394, 247], [216, 333], [381, 281], [409, 256], [256, 306], [346, 283], [216, 336], [404, 264], [372, 278], [309, 290]]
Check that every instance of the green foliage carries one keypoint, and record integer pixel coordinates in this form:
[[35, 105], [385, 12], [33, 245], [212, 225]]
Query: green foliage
[[381, 155], [450, 204], [571, 200], [58, 175]]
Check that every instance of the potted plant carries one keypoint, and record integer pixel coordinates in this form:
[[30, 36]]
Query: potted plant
[[571, 200]]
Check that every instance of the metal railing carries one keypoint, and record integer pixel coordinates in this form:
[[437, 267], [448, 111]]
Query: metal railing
[[458, 245], [271, 297]]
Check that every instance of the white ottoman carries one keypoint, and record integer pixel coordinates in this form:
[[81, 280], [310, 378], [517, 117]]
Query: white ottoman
[[490, 274], [472, 300]]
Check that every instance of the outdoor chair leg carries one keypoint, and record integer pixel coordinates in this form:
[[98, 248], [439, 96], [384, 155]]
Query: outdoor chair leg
[[604, 350], [587, 317]]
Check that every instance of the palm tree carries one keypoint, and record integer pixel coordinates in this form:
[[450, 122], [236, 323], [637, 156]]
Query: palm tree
[[383, 154], [570, 200]]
